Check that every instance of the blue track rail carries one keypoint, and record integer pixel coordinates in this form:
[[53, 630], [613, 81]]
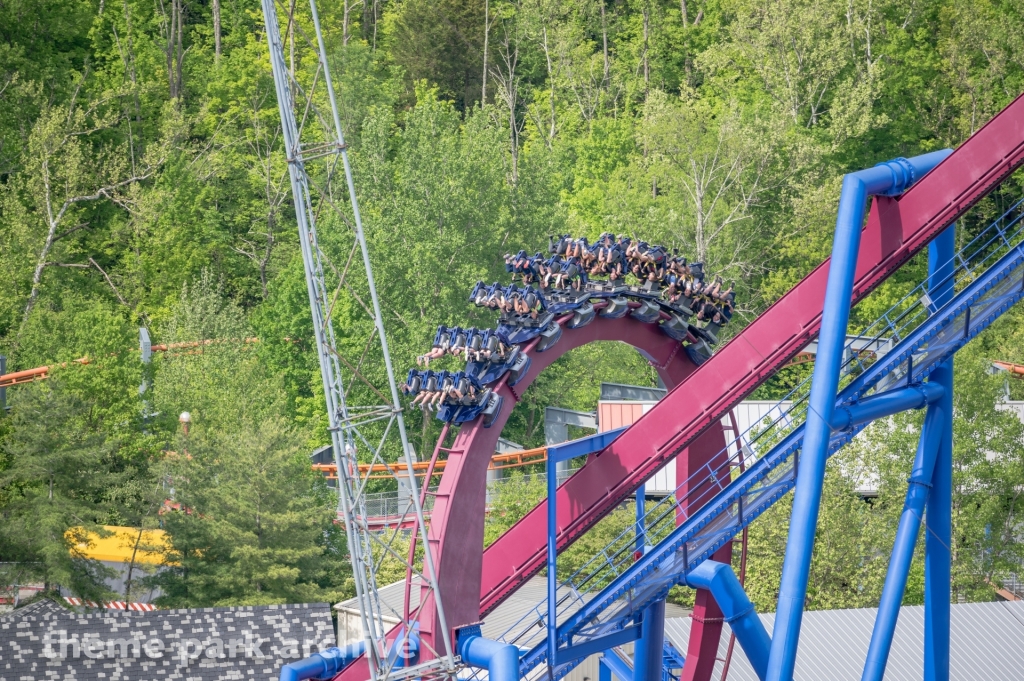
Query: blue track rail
[[989, 274]]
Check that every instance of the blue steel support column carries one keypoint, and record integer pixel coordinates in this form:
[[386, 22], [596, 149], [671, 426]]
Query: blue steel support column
[[939, 510], [649, 650], [903, 547], [888, 178]]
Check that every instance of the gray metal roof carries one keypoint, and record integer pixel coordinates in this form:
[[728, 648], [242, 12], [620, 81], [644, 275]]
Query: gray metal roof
[[515, 611], [987, 642], [510, 612]]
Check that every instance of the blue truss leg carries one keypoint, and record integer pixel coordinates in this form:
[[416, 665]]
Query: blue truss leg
[[649, 651], [940, 501], [903, 547]]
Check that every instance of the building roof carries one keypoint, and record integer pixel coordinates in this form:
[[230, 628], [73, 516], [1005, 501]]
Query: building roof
[[197, 643], [986, 642]]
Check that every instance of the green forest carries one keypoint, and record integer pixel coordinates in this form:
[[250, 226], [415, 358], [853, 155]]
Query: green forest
[[143, 184]]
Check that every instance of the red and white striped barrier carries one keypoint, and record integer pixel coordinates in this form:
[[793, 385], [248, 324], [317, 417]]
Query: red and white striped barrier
[[112, 605]]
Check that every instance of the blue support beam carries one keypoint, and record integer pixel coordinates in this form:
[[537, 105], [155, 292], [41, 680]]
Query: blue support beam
[[847, 417], [889, 178], [552, 561], [937, 558], [596, 645], [613, 664], [583, 446], [903, 548]]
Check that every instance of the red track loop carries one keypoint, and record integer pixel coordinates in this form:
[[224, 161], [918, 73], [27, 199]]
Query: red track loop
[[457, 521]]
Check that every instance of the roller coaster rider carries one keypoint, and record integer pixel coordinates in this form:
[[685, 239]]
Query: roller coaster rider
[[655, 260], [459, 339], [464, 389], [483, 295], [560, 246], [489, 347], [609, 259], [531, 269], [587, 253], [676, 280], [525, 301], [474, 341], [413, 382], [551, 267], [423, 386], [577, 248], [496, 297], [523, 265], [514, 263], [571, 274], [442, 344]]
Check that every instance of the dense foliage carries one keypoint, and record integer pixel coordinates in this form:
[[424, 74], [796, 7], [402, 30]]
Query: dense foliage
[[142, 183]]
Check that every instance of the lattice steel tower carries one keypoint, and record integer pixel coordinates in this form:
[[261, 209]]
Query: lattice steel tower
[[314, 145]]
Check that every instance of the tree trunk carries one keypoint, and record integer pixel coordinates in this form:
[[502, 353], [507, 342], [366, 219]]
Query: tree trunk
[[647, 64], [514, 138], [51, 233], [131, 567], [174, 51], [180, 51], [346, 9], [131, 60], [169, 49], [551, 86], [487, 32], [216, 30], [376, 16], [604, 41], [682, 11]]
